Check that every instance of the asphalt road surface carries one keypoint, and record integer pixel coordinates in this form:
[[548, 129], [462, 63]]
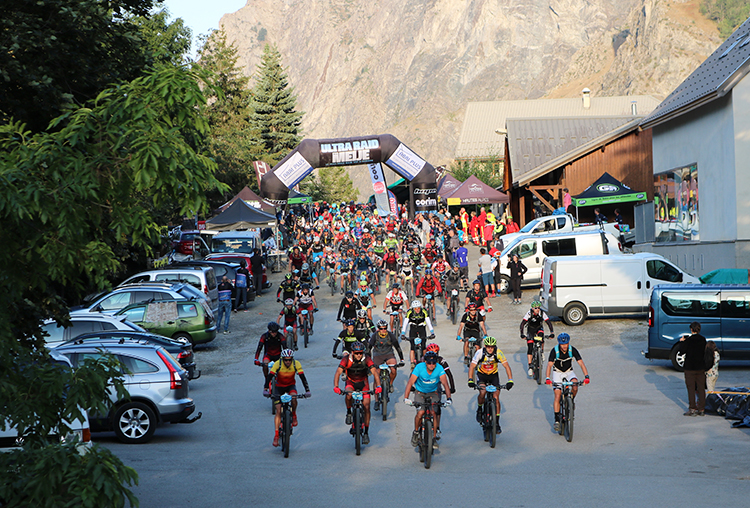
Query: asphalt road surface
[[632, 445]]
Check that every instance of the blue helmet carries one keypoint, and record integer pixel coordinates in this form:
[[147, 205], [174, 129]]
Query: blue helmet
[[563, 338]]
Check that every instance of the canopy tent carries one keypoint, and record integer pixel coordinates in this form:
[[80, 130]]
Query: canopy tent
[[447, 184], [400, 189], [240, 215], [605, 191], [296, 198], [251, 198], [475, 192]]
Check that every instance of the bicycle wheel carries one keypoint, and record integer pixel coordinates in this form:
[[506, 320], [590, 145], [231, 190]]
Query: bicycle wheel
[[569, 410], [385, 384], [492, 423], [286, 432], [540, 367], [428, 437], [357, 431], [454, 310], [332, 283], [536, 365], [306, 330]]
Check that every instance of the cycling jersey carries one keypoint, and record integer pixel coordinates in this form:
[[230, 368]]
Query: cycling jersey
[[288, 288], [305, 299], [391, 261], [476, 297], [384, 345], [356, 372], [487, 364], [290, 315], [534, 323], [563, 362], [427, 382], [472, 325], [284, 374], [452, 280], [396, 298], [417, 321], [428, 286], [363, 329], [272, 346]]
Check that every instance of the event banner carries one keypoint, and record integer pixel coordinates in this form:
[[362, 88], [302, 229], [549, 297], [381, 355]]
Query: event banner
[[351, 151], [293, 170], [405, 162], [393, 203], [379, 188], [261, 168], [425, 198]]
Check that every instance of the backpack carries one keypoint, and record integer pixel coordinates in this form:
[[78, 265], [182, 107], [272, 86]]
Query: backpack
[[708, 358]]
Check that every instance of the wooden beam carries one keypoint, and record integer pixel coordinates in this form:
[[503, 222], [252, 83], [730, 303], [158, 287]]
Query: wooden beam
[[546, 203]]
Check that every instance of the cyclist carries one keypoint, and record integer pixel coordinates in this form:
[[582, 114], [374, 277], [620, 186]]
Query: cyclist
[[316, 252], [348, 336], [434, 347], [407, 274], [308, 276], [349, 307], [363, 327], [440, 268], [472, 324], [485, 362], [345, 267], [296, 258], [366, 297], [271, 342], [289, 314], [330, 263], [306, 301], [429, 254], [561, 364], [379, 247], [418, 322], [429, 285], [416, 257], [287, 289], [390, 262], [357, 367], [425, 379], [395, 298], [380, 346], [533, 323], [479, 296], [284, 372], [451, 281]]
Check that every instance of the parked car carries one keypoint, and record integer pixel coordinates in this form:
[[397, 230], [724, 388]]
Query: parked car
[[221, 269], [564, 223], [157, 386], [723, 310], [80, 427], [234, 246], [189, 245], [85, 323], [578, 286], [179, 319], [532, 250], [201, 277], [122, 296]]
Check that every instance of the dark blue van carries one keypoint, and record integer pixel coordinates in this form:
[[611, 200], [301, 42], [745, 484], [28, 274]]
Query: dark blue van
[[723, 310]]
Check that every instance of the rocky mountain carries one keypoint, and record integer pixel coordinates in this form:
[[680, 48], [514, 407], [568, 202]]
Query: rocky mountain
[[408, 67]]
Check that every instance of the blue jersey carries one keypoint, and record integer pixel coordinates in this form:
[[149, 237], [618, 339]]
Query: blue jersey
[[427, 382], [462, 256]]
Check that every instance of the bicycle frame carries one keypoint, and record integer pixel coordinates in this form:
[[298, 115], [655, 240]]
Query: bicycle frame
[[567, 407], [427, 429], [285, 428], [358, 413]]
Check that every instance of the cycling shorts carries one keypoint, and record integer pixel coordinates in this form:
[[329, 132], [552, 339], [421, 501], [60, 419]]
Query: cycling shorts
[[305, 306], [488, 379], [471, 333], [278, 391], [417, 331], [422, 397], [364, 386], [558, 377], [388, 358], [396, 306], [271, 358]]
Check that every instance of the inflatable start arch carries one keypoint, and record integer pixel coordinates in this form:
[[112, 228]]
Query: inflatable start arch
[[373, 150]]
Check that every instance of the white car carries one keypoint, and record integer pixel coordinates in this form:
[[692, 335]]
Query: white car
[[85, 323]]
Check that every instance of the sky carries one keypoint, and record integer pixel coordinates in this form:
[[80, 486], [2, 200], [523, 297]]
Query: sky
[[201, 15]]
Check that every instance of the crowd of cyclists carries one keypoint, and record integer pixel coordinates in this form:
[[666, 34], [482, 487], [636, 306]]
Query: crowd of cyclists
[[415, 265]]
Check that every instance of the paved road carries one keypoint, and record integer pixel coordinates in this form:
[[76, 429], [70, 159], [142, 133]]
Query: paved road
[[632, 445]]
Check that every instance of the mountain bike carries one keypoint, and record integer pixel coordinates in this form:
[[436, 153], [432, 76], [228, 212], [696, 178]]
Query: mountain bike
[[398, 317], [567, 407], [332, 280], [537, 357], [489, 413], [385, 382], [429, 303], [358, 418], [474, 345], [453, 306], [419, 347], [285, 428], [427, 427], [306, 325]]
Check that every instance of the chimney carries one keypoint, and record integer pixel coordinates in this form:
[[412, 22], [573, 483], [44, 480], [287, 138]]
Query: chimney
[[586, 98], [634, 108]]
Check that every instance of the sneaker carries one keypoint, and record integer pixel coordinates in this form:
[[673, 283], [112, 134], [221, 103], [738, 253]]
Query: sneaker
[[351, 430], [294, 419], [530, 372], [390, 389], [499, 430], [438, 433], [557, 426], [348, 418], [415, 439], [690, 412], [701, 413], [365, 438], [435, 445], [479, 415], [276, 439], [377, 406]]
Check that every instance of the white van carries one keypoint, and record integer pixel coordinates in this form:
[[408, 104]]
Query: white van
[[576, 287], [534, 248]]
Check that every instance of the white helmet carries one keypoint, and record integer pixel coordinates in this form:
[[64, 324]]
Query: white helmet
[[416, 304]]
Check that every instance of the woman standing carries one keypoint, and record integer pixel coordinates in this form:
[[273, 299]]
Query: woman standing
[[712, 374], [517, 269]]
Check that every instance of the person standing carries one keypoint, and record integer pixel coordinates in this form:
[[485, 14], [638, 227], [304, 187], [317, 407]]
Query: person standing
[[462, 258], [517, 269], [225, 303], [241, 279], [694, 349], [567, 200], [488, 275], [712, 374], [256, 265]]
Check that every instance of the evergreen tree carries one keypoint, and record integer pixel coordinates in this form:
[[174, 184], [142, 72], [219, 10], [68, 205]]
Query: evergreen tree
[[489, 171], [331, 185], [274, 116]]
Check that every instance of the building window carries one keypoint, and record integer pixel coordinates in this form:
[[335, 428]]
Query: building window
[[676, 204]]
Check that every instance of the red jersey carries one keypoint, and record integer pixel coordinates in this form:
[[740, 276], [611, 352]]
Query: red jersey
[[356, 372]]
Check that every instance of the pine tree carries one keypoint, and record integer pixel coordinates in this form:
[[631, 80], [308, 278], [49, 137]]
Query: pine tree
[[331, 185], [273, 116]]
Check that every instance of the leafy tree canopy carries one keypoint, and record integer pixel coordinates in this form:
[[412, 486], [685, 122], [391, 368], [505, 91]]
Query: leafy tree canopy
[[331, 185], [728, 14], [486, 170]]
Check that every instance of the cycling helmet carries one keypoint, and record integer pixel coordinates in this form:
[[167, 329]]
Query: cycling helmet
[[563, 338], [428, 271], [349, 294], [471, 306], [363, 283], [430, 357], [477, 282], [305, 266], [273, 326], [349, 322], [288, 301], [433, 346], [416, 304], [490, 341], [396, 285], [536, 304], [382, 323], [305, 286], [288, 276], [358, 347], [287, 353], [392, 249], [361, 313], [455, 265]]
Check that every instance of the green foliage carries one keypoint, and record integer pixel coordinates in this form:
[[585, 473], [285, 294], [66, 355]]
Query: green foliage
[[728, 14], [57, 54], [273, 116], [486, 170], [166, 42], [331, 185]]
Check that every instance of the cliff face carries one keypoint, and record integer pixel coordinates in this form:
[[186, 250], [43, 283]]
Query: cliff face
[[409, 67]]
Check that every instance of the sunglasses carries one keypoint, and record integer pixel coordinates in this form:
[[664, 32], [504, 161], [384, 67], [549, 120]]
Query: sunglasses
[[431, 362]]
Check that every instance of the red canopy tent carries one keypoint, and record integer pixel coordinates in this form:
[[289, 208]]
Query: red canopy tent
[[475, 192], [447, 185], [252, 199]]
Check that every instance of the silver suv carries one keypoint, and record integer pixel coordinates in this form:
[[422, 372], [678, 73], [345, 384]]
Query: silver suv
[[122, 296], [85, 323], [156, 383], [202, 278]]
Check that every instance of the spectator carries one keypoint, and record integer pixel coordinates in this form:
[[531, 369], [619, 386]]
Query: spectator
[[517, 269], [225, 303], [599, 217], [241, 279], [712, 374], [462, 258], [485, 268], [256, 265], [618, 216], [567, 199], [694, 349]]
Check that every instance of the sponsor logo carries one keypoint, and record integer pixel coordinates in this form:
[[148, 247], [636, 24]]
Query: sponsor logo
[[365, 144], [425, 203], [581, 202], [425, 191], [475, 187], [640, 196], [379, 187], [450, 184], [607, 187]]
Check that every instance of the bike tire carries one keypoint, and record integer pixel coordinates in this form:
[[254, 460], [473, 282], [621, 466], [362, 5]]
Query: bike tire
[[569, 410], [357, 431], [537, 366], [454, 311], [332, 283], [492, 424], [287, 432], [385, 384], [428, 437], [306, 331], [540, 367]]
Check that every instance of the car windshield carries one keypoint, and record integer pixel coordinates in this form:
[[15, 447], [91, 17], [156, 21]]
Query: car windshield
[[244, 245], [528, 227], [511, 246]]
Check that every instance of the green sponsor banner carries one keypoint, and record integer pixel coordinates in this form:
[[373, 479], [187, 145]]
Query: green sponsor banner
[[605, 200]]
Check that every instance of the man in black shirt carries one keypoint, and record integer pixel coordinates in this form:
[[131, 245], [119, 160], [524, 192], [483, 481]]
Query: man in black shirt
[[256, 265], [694, 348], [561, 358]]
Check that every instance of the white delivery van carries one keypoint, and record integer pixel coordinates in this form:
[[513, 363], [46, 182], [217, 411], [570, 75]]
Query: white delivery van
[[534, 248], [576, 287]]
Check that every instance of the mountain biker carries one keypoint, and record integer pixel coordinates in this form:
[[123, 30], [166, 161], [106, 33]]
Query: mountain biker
[[306, 301], [363, 326], [485, 363], [429, 285], [472, 324], [561, 364], [296, 258], [418, 323], [425, 378], [390, 263], [479, 296], [434, 347], [289, 314], [272, 343], [308, 276], [366, 297], [533, 322], [357, 367], [348, 336], [451, 281], [284, 372], [287, 289], [395, 298], [380, 346], [349, 307]]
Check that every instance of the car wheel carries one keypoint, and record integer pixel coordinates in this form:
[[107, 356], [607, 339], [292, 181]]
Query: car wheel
[[574, 314], [183, 335], [134, 423], [504, 285], [678, 359]]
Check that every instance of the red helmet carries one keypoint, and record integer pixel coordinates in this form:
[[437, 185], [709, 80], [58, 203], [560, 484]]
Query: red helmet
[[471, 306], [432, 346]]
